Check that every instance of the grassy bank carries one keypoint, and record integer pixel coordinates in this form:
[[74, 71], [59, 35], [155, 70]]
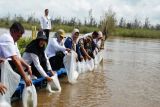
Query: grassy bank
[[124, 32], [83, 29], [55, 27], [140, 33], [22, 43]]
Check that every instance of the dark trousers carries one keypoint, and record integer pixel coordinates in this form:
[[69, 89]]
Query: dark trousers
[[56, 62], [35, 71], [47, 33]]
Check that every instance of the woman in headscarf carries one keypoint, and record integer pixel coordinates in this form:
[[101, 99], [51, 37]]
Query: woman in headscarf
[[72, 43], [55, 50], [35, 56]]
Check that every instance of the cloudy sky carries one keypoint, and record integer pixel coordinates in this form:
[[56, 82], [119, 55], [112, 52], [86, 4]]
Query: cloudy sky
[[129, 9]]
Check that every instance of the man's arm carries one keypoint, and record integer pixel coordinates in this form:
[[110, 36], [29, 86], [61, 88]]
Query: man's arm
[[18, 64], [86, 54], [28, 67]]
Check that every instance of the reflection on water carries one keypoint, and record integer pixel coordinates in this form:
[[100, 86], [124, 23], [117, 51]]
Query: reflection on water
[[130, 78]]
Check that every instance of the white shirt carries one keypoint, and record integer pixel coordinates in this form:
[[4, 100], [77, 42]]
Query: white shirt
[[31, 57], [8, 47], [45, 22], [53, 47]]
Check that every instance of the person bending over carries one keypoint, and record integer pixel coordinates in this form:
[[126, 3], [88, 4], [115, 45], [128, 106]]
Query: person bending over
[[35, 56]]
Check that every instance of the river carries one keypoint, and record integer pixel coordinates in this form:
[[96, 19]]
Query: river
[[128, 77]]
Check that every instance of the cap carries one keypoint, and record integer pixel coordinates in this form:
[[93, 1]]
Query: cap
[[61, 32], [41, 35], [75, 30]]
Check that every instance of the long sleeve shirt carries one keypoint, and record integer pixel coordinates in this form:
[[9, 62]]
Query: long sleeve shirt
[[31, 57], [53, 47], [45, 22]]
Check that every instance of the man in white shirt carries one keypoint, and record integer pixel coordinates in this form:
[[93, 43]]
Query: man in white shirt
[[9, 50], [55, 50], [46, 23]]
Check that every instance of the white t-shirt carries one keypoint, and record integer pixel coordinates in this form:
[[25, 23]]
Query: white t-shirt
[[53, 47], [8, 47], [45, 22]]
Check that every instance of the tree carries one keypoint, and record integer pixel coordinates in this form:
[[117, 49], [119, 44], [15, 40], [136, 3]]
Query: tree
[[157, 27], [129, 25], [108, 22], [136, 23], [85, 21], [122, 23], [57, 20], [147, 23]]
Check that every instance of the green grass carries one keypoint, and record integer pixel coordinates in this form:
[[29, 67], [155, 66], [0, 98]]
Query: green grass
[[22, 43], [67, 28], [140, 33], [124, 32]]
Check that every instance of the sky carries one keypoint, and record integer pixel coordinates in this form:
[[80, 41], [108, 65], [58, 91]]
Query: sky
[[128, 9]]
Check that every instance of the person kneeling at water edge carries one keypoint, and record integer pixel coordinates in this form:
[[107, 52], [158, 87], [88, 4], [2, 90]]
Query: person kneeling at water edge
[[10, 51], [85, 44], [72, 43], [56, 50], [35, 56]]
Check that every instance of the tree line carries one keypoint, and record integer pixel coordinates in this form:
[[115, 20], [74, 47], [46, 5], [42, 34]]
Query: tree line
[[107, 24], [137, 24]]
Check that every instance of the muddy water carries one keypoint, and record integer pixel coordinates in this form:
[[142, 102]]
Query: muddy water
[[128, 77]]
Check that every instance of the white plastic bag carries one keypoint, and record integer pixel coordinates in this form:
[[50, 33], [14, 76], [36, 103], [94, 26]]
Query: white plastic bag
[[54, 85], [79, 67], [29, 96], [70, 66], [90, 65], [96, 59], [99, 56], [10, 79], [4, 103], [83, 66]]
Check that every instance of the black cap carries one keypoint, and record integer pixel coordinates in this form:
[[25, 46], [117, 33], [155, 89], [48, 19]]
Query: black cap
[[41, 35]]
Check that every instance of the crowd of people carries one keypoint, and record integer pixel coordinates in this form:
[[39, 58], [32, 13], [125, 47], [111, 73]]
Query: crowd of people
[[45, 54]]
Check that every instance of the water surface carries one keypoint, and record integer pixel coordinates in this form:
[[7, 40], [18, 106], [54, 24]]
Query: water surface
[[128, 77]]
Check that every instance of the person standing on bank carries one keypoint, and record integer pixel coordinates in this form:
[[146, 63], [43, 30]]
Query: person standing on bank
[[55, 50], [35, 56], [46, 23], [10, 51]]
